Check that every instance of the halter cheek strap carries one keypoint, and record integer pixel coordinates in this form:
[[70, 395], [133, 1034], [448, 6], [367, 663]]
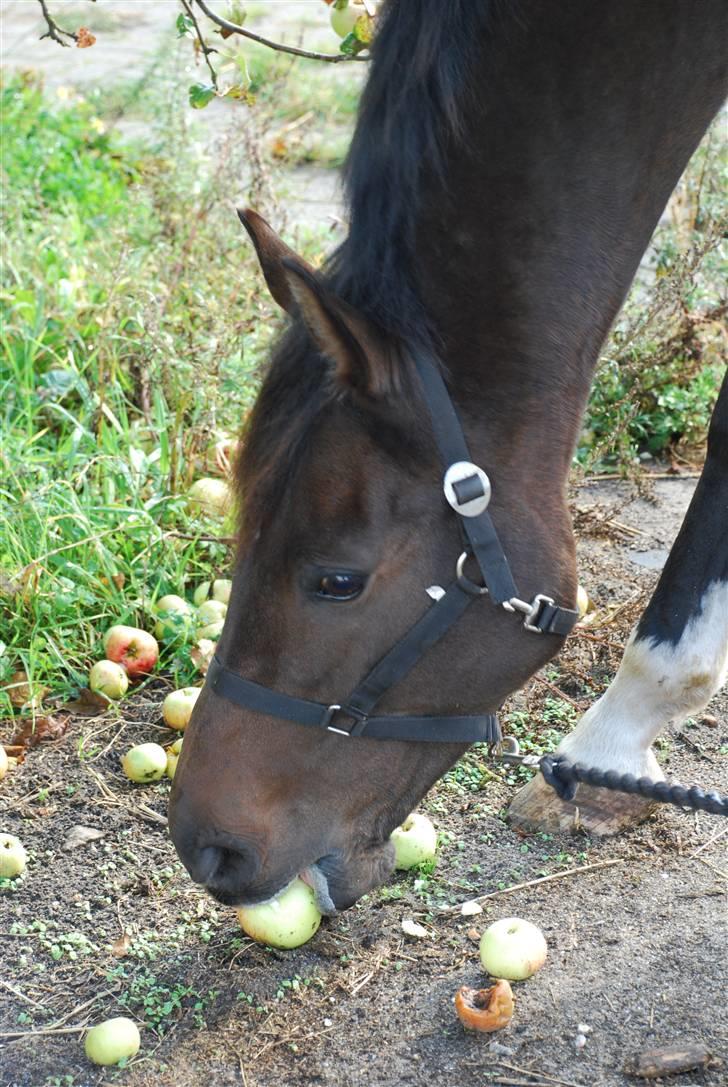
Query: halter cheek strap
[[467, 490]]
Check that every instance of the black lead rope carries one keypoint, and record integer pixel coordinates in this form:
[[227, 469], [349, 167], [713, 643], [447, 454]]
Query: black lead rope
[[563, 777]]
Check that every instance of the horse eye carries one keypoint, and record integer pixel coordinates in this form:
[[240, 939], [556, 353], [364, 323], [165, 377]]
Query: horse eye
[[340, 586]]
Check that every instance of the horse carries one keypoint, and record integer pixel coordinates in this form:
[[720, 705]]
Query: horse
[[508, 166]]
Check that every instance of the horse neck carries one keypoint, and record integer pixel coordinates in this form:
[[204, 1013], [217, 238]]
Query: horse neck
[[584, 117]]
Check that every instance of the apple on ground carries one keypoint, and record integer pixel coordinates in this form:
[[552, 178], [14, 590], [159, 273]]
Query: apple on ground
[[109, 679], [288, 920], [513, 949], [3, 762], [211, 496], [221, 589], [173, 753], [13, 857], [178, 706], [583, 603], [135, 649], [211, 611], [112, 1041], [415, 841], [175, 618], [212, 631], [144, 763], [201, 593]]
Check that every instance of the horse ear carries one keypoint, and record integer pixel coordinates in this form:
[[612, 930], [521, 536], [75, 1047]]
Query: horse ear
[[362, 361], [272, 251]]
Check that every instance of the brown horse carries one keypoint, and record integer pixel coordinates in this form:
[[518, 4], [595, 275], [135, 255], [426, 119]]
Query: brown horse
[[508, 167]]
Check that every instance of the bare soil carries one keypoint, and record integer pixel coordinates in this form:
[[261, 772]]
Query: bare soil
[[636, 948]]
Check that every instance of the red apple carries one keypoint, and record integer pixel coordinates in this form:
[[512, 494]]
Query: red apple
[[136, 650]]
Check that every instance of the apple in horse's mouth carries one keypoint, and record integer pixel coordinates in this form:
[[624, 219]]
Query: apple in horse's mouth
[[415, 841], [109, 679], [131, 647], [288, 920], [512, 948]]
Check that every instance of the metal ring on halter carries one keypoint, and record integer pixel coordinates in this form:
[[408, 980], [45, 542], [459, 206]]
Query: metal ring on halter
[[464, 581]]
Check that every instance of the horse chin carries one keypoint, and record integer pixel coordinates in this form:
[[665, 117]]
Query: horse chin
[[338, 881]]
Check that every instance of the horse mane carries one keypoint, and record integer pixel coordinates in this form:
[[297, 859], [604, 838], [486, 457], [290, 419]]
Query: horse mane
[[409, 114]]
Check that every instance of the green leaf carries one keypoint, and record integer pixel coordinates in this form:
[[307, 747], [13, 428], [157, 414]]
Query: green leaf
[[184, 25], [201, 94], [351, 45]]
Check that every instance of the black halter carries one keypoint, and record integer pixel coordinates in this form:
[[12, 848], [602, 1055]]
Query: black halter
[[467, 490]]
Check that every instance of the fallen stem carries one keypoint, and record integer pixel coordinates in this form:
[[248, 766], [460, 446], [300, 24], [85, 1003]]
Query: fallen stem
[[534, 883], [539, 1075]]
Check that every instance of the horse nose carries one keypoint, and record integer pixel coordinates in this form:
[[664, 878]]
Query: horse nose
[[227, 865]]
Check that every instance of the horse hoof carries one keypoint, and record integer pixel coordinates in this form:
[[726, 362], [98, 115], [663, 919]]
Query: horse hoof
[[599, 811]]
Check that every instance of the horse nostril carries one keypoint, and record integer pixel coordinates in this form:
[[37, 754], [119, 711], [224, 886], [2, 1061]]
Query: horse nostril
[[204, 863]]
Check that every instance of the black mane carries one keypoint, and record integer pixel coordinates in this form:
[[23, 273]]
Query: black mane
[[410, 110], [409, 113]]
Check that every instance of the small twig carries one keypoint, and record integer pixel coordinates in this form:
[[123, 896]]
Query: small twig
[[233, 28], [21, 996], [558, 692], [534, 882], [206, 49], [54, 29], [713, 838], [539, 1075], [713, 867], [43, 1030]]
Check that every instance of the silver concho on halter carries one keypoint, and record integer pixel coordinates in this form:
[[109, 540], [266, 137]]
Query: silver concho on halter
[[467, 488]]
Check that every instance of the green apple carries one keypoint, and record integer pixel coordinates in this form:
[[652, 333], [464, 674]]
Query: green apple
[[146, 762], [3, 762], [178, 705], [211, 611], [344, 16], [221, 589], [582, 601], [288, 920], [513, 949], [109, 679], [201, 593], [210, 496], [414, 842], [173, 754], [112, 1041], [175, 618], [212, 631], [13, 857]]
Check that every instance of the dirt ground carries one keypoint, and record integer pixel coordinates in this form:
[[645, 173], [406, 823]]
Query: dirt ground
[[637, 946]]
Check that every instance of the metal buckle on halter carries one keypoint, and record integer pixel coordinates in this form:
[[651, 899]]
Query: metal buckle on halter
[[531, 611], [467, 488], [464, 581], [359, 719]]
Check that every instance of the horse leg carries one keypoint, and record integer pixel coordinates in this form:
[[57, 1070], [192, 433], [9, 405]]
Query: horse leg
[[675, 661]]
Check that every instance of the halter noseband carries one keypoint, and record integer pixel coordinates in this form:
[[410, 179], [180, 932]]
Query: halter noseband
[[467, 490]]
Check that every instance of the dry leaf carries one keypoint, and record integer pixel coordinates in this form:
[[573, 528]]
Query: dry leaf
[[120, 947], [84, 38], [79, 835], [22, 693], [88, 704], [36, 729], [470, 909], [202, 654]]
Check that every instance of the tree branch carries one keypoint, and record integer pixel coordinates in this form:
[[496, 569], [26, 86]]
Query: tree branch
[[53, 28], [233, 28], [206, 49]]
